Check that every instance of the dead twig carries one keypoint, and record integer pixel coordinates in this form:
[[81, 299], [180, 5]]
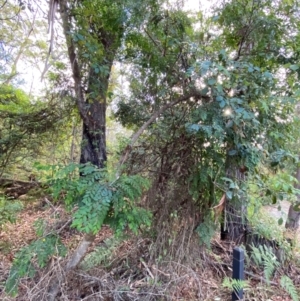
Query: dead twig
[[146, 267]]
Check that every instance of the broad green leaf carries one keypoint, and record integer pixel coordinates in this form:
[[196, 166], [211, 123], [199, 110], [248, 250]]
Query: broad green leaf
[[229, 194], [211, 81], [294, 67]]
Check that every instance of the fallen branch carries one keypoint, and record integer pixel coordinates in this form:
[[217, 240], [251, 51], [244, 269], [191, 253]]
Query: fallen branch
[[75, 259], [16, 188], [10, 182], [260, 278], [146, 267]]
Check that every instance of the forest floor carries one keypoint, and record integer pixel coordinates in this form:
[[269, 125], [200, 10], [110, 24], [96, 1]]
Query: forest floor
[[127, 271]]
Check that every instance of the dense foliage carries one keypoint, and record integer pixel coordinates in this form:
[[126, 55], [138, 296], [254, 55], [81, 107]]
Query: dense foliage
[[26, 126], [99, 200], [229, 101], [211, 101]]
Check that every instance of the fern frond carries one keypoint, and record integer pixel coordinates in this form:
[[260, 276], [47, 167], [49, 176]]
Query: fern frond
[[102, 254], [288, 285], [234, 284], [264, 256]]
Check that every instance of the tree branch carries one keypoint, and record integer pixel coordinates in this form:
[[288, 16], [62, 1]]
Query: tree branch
[[134, 138], [154, 42], [80, 98], [75, 259]]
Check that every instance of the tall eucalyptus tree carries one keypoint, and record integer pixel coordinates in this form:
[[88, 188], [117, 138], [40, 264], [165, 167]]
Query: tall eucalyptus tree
[[95, 31]]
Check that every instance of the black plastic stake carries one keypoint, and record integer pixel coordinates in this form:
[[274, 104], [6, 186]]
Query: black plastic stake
[[238, 271]]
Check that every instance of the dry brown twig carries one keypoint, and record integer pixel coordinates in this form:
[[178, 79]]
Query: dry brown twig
[[147, 268]]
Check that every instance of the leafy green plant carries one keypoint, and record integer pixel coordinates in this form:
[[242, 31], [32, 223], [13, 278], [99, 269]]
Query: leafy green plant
[[40, 227], [279, 187], [206, 231], [288, 285], [124, 210], [8, 210], [36, 254], [234, 284], [266, 226], [96, 200], [99, 200], [264, 256], [102, 254], [25, 127]]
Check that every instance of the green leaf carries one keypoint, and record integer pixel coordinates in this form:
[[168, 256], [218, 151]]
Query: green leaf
[[232, 152], [203, 115], [222, 104], [80, 36], [204, 91], [219, 98], [204, 67], [294, 67], [232, 185], [194, 127], [268, 75], [211, 81], [296, 207], [229, 194], [240, 110], [280, 221], [288, 285]]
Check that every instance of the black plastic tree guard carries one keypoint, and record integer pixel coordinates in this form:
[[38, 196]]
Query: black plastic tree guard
[[238, 271]]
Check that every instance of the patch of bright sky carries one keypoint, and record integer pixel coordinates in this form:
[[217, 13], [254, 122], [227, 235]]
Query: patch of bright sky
[[197, 5], [193, 5]]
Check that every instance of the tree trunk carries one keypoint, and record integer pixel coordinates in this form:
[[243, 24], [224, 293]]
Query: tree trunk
[[91, 102], [293, 218], [234, 221], [91, 89], [293, 215], [93, 145]]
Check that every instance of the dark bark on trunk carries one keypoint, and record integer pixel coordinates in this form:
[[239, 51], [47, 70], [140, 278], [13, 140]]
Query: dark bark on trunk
[[234, 221], [293, 218], [91, 104], [93, 145], [293, 215], [93, 149]]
